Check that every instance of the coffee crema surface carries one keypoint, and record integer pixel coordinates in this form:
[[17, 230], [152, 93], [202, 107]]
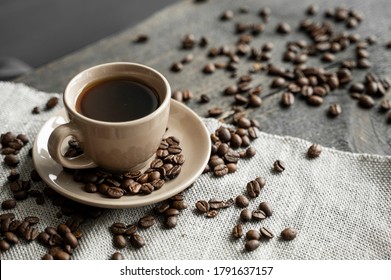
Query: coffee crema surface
[[117, 100]]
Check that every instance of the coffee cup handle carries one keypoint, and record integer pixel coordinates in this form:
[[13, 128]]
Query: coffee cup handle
[[56, 139]]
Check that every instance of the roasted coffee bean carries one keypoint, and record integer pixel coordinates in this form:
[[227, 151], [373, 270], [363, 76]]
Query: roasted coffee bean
[[154, 175], [137, 240], [146, 221], [279, 166], [232, 167], [11, 160], [147, 188], [141, 38], [90, 188], [30, 233], [32, 220], [47, 257], [61, 255], [216, 204], [252, 245], [245, 215], [103, 188], [215, 111], [357, 87], [266, 232], [261, 181], [223, 134], [242, 201], [131, 229], [389, 117], [365, 101], [114, 192], [253, 189], [250, 152], [171, 212], [237, 231], [118, 228], [202, 206], [227, 15], [385, 104], [241, 100], [14, 225], [51, 103], [212, 213], [258, 215], [278, 82], [209, 68], [179, 204], [334, 110], [174, 172], [161, 208], [176, 67], [283, 28], [117, 256], [289, 234], [253, 132], [134, 188], [174, 149], [11, 237], [20, 195], [220, 170], [35, 176], [71, 240], [119, 241], [8, 204], [13, 175], [287, 99], [157, 184], [314, 151], [231, 90], [170, 221], [315, 100], [4, 245], [232, 156], [43, 238], [236, 141], [253, 234], [312, 9], [266, 208]]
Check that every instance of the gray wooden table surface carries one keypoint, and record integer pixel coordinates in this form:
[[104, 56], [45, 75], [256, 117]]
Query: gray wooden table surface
[[356, 129]]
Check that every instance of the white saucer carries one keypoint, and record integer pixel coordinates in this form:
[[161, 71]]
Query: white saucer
[[183, 123]]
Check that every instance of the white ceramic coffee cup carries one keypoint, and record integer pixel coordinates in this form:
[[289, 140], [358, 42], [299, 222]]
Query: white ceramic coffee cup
[[113, 146]]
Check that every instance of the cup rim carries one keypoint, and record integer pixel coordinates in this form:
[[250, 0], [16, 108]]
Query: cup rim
[[162, 106]]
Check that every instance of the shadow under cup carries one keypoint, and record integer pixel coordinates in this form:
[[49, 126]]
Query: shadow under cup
[[118, 146]]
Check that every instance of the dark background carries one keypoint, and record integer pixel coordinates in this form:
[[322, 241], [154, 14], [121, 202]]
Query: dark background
[[35, 32]]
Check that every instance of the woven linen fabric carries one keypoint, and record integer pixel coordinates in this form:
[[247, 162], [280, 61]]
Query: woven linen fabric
[[340, 203]]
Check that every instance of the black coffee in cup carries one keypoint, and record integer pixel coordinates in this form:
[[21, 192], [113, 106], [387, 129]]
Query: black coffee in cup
[[117, 100]]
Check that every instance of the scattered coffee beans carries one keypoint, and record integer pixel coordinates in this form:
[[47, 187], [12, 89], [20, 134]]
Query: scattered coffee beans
[[279, 166]]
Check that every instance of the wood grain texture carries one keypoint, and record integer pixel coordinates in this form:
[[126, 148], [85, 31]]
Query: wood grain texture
[[356, 129]]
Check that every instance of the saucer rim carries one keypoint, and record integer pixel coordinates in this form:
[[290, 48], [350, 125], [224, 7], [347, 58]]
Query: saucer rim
[[117, 203]]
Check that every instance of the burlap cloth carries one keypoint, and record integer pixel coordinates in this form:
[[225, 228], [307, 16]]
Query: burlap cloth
[[340, 203]]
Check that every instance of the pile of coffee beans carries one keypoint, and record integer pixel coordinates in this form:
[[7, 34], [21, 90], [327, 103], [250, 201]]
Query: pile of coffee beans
[[166, 166], [10, 146], [12, 229]]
